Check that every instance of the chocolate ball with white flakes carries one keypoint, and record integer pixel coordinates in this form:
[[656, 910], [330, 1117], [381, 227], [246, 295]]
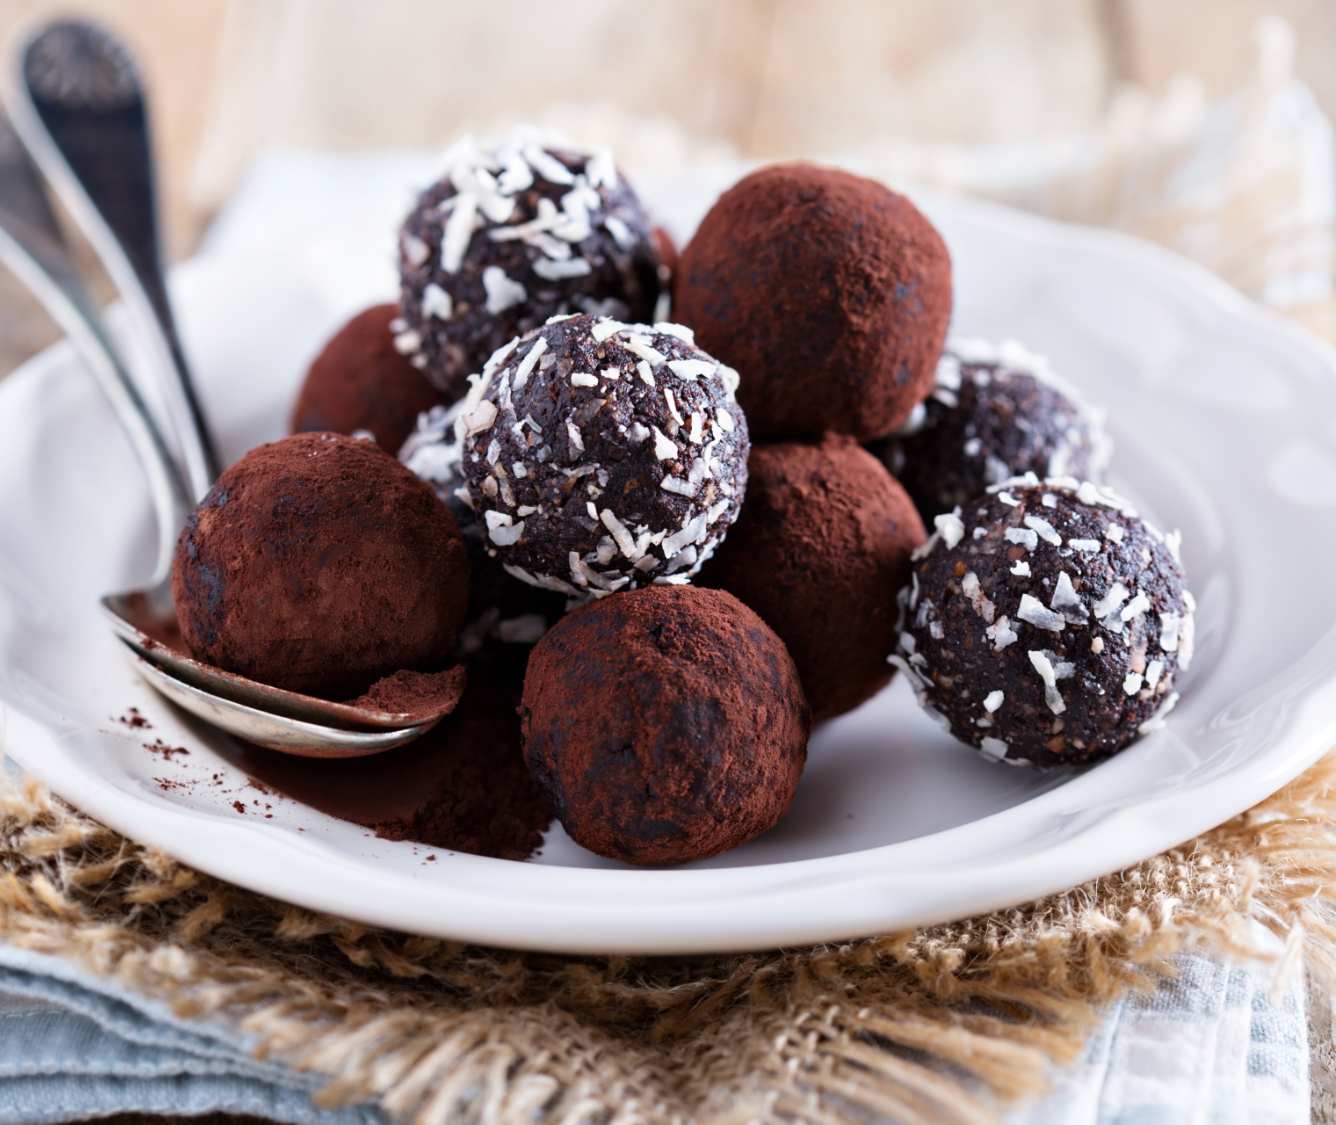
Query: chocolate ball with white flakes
[[601, 455], [500, 608], [997, 411], [513, 233], [1046, 624]]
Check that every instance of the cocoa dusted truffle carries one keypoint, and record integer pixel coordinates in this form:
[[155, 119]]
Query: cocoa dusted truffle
[[1046, 624], [319, 564], [998, 411], [601, 455], [828, 292], [359, 381], [666, 724], [820, 551], [513, 233]]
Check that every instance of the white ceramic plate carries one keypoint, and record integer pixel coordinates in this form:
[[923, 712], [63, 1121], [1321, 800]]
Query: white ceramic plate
[[1226, 427]]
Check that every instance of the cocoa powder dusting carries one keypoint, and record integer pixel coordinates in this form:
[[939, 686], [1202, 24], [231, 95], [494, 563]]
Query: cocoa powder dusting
[[415, 693], [163, 751], [463, 787], [134, 720]]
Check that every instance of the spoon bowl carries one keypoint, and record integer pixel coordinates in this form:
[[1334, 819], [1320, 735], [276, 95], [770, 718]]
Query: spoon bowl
[[145, 619], [265, 728]]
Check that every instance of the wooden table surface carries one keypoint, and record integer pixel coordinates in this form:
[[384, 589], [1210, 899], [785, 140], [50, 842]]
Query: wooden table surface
[[770, 77]]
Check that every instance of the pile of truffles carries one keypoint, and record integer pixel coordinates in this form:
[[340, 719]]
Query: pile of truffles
[[693, 494]]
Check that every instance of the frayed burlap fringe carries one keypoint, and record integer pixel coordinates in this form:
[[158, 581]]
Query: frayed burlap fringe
[[946, 1024]]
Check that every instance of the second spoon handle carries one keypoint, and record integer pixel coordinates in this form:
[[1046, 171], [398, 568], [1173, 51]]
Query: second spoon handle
[[76, 100], [32, 245]]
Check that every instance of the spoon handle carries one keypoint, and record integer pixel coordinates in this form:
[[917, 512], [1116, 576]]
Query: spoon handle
[[33, 246], [76, 100]]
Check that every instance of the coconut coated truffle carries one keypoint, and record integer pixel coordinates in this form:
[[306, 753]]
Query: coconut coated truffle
[[601, 455], [1046, 623], [666, 724], [319, 564], [827, 291], [501, 608], [513, 233], [820, 551], [997, 411], [359, 381]]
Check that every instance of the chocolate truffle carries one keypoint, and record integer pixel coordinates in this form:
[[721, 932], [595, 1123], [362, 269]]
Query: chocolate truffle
[[666, 724], [1045, 623], [319, 564], [501, 608], [601, 455], [513, 233], [828, 292], [359, 381], [820, 551], [997, 412]]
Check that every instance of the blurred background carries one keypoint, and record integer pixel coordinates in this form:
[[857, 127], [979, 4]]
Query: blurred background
[[1203, 124]]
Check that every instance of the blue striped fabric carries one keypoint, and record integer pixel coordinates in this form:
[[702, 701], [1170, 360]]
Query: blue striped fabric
[[75, 1047], [1220, 1044]]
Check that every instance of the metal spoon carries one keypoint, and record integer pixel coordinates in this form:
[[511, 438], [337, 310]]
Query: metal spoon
[[77, 102], [33, 246], [291, 736], [77, 107]]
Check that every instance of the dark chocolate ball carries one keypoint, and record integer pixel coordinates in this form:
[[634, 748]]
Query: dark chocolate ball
[[997, 412], [601, 455], [318, 563], [1046, 623], [667, 724], [359, 381], [820, 551], [828, 292], [513, 233], [501, 608]]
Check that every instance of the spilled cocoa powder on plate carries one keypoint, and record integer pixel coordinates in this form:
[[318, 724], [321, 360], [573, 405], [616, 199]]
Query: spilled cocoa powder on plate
[[164, 751], [134, 719], [463, 787]]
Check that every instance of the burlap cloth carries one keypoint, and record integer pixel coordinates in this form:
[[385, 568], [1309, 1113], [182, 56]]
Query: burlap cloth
[[949, 1023]]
